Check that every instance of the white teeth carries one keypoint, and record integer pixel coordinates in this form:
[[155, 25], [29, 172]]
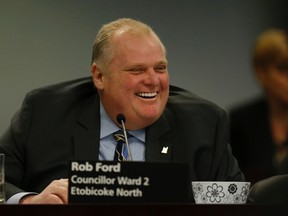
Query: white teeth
[[147, 95]]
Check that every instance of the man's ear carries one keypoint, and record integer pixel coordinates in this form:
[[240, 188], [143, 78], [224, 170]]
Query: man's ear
[[97, 76]]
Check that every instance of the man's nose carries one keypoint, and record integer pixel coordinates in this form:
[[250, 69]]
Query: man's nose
[[151, 77]]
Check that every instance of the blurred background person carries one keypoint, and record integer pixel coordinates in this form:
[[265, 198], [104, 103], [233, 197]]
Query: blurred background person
[[259, 128]]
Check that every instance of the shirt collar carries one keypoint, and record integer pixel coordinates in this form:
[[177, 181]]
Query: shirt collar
[[108, 126]]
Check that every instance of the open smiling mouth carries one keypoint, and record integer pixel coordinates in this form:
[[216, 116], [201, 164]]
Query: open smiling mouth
[[147, 95]]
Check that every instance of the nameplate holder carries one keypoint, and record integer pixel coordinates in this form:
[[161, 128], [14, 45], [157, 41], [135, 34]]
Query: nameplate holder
[[127, 182]]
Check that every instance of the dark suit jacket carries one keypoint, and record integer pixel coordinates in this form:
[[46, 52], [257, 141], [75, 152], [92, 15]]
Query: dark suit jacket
[[251, 141], [272, 190], [59, 123]]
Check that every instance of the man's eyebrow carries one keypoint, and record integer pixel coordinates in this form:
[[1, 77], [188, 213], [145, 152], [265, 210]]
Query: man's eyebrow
[[163, 62], [143, 65], [135, 65]]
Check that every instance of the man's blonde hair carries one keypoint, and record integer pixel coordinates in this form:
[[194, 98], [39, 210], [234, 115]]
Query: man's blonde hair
[[103, 50]]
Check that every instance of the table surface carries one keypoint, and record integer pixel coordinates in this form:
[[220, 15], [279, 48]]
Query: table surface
[[143, 209]]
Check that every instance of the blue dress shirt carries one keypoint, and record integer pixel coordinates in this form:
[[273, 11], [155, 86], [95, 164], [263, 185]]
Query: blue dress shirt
[[108, 143]]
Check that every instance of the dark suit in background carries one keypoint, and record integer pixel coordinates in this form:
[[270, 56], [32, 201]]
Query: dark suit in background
[[61, 122], [270, 191], [251, 141], [259, 128]]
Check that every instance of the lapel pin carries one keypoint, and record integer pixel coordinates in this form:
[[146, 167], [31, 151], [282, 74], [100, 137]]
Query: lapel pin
[[164, 150]]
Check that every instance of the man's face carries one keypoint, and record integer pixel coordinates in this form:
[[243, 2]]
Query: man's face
[[136, 82]]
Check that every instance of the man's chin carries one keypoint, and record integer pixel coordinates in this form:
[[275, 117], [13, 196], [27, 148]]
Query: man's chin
[[141, 122]]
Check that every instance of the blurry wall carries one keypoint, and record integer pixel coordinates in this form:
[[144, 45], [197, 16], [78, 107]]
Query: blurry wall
[[208, 43]]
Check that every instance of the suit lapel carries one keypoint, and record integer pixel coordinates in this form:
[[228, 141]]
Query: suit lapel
[[158, 148], [87, 133]]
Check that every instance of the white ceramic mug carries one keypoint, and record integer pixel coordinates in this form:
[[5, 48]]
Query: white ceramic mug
[[220, 192]]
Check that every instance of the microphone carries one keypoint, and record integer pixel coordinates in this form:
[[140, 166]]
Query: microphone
[[121, 120]]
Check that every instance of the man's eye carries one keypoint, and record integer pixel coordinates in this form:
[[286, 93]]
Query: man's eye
[[136, 70], [161, 68]]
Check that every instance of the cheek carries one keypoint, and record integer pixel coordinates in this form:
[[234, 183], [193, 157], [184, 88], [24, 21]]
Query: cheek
[[164, 82], [271, 81], [129, 83], [282, 87], [278, 87], [279, 82]]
